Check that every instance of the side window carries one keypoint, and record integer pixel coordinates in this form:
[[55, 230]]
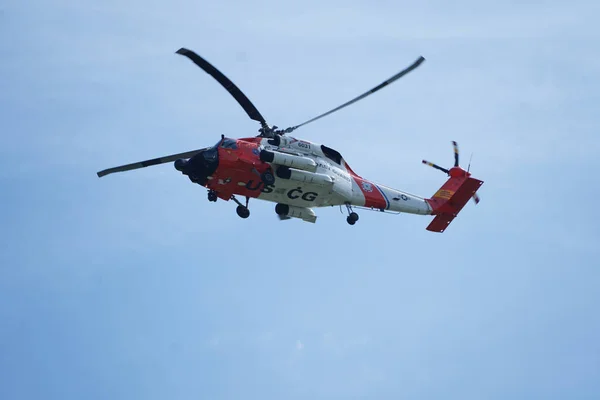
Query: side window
[[332, 154]]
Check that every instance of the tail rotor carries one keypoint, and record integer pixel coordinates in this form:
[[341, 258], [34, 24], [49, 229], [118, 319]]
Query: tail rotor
[[476, 198]]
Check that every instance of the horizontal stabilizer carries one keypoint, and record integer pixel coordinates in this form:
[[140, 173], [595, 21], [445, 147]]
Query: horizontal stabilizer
[[447, 203], [440, 223]]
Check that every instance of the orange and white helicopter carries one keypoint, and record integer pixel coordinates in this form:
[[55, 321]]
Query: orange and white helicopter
[[300, 175]]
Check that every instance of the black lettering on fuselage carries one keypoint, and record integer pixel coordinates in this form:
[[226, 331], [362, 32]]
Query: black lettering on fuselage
[[297, 193], [249, 185], [260, 185], [268, 189], [309, 196], [293, 194]]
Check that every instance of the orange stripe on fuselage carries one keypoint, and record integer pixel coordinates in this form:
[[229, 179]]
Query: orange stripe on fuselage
[[373, 197]]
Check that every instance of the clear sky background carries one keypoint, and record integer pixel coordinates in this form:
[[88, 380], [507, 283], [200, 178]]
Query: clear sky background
[[134, 286]]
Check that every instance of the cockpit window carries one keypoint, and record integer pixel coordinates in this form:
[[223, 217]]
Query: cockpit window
[[210, 154], [228, 144], [332, 154]]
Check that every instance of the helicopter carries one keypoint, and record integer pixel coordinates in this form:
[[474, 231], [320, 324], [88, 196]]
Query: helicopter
[[300, 175]]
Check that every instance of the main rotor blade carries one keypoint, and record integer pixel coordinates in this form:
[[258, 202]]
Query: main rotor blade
[[362, 96], [237, 94], [148, 163]]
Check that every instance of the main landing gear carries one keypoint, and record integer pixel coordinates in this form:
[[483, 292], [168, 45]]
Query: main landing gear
[[242, 210], [352, 216]]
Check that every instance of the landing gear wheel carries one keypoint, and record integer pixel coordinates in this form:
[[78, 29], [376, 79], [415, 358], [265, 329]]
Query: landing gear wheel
[[212, 196], [352, 216], [242, 211], [268, 178]]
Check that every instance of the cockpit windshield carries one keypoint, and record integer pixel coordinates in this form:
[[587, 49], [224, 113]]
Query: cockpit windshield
[[211, 154], [228, 144]]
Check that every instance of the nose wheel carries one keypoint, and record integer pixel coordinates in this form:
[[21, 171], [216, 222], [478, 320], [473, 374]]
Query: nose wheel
[[212, 195], [352, 216], [242, 210]]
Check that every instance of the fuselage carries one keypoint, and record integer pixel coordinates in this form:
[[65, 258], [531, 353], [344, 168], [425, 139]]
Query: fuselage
[[328, 182]]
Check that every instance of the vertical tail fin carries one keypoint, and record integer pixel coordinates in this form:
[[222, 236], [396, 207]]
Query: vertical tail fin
[[450, 199]]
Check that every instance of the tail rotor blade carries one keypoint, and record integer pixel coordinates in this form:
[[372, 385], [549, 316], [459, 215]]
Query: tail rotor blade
[[470, 159], [436, 166], [455, 153], [476, 198]]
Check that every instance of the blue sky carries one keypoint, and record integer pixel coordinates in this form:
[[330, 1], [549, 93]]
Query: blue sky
[[133, 286]]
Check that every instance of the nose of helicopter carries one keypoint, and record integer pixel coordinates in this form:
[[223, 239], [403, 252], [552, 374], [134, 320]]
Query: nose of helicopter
[[200, 166], [180, 164]]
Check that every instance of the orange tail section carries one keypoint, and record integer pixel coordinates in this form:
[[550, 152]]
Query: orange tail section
[[451, 198]]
